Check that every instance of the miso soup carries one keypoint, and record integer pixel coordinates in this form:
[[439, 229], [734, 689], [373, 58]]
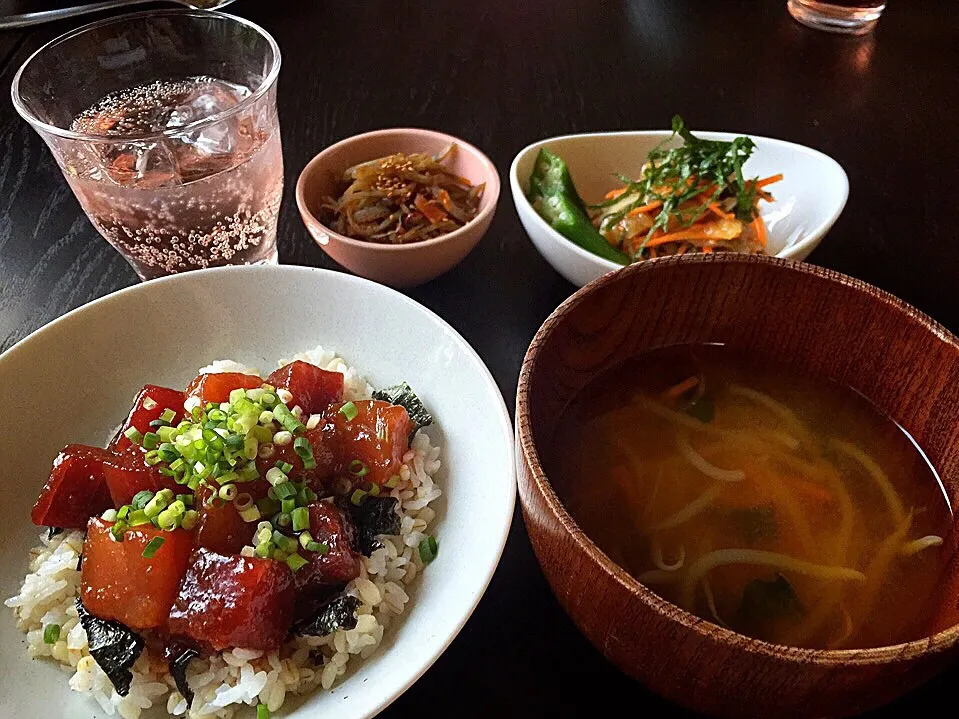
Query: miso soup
[[780, 506]]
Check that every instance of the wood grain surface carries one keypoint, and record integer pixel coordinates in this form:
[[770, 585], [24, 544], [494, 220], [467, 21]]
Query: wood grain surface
[[502, 75], [851, 333]]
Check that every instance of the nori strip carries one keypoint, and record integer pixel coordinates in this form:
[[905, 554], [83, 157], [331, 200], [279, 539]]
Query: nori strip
[[337, 613], [53, 532], [113, 646], [178, 672], [373, 516], [403, 395]]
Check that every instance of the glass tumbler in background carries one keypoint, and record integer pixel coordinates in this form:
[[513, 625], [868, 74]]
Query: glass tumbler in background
[[165, 126], [850, 17]]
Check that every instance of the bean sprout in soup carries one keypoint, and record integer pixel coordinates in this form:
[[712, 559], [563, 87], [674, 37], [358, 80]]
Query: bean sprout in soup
[[783, 507]]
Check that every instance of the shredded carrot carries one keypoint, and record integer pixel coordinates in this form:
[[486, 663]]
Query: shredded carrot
[[613, 194], [645, 208], [759, 227], [690, 234], [430, 211], [812, 491], [682, 250], [446, 200], [769, 180], [707, 249], [716, 209], [653, 254], [682, 388]]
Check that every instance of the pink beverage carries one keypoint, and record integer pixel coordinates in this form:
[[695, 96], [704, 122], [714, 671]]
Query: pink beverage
[[173, 202]]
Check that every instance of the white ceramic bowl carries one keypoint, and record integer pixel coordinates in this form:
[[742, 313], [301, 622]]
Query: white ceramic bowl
[[809, 198], [73, 380]]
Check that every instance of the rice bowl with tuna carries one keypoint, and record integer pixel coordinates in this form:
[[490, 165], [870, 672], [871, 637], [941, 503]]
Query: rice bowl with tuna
[[358, 592]]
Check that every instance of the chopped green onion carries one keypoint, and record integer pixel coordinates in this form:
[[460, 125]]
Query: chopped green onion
[[285, 417], [190, 519], [167, 520], [187, 499], [133, 434], [349, 411], [304, 450], [268, 506], [236, 395], [168, 415], [228, 492], [393, 482], [264, 532], [149, 402], [123, 512], [296, 562], [358, 496], [152, 546], [283, 519], [274, 476], [117, 530], [166, 433], [155, 506], [264, 549], [305, 538], [250, 514], [266, 417], [301, 519], [287, 505], [374, 489], [109, 515], [282, 438], [243, 501], [137, 517], [284, 467], [152, 457], [284, 490], [358, 469], [51, 633], [151, 440], [250, 447], [428, 549], [318, 547], [287, 544]]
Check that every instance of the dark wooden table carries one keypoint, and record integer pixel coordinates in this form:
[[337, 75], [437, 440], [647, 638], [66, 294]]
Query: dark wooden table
[[503, 74]]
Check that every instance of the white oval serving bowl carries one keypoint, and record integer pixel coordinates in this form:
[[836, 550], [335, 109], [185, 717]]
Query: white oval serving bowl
[[808, 199], [74, 379]]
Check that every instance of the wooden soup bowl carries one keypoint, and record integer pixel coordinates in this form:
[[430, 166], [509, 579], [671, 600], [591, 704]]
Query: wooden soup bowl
[[806, 317]]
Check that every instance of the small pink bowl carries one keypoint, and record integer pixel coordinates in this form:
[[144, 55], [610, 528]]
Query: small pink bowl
[[396, 265]]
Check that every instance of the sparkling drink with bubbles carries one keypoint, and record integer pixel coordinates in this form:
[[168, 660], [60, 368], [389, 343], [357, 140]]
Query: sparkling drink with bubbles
[[180, 202], [177, 168]]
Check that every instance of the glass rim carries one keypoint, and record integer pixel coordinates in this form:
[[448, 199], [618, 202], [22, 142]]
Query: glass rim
[[268, 81]]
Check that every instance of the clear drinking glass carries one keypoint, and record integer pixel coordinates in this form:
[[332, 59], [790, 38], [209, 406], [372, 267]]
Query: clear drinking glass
[[165, 126], [850, 17]]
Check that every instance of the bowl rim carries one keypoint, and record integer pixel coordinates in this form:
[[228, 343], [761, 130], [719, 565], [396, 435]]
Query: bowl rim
[[809, 241], [316, 162], [529, 455], [505, 426]]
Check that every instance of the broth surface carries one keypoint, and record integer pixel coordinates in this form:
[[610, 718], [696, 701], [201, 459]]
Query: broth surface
[[783, 507]]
